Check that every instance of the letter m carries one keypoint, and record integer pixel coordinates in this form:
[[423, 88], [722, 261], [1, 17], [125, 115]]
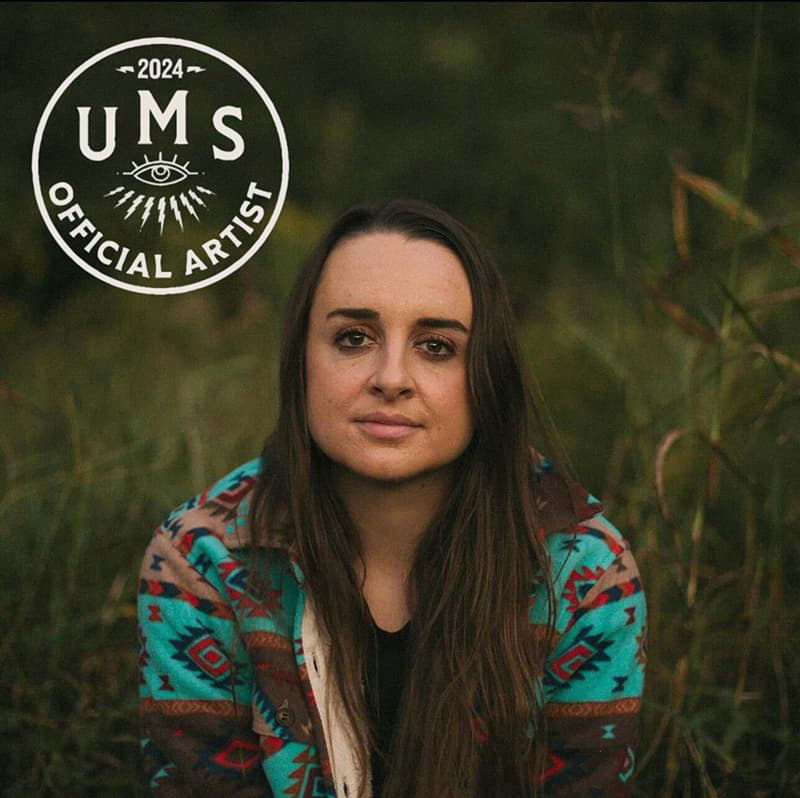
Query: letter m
[[148, 107]]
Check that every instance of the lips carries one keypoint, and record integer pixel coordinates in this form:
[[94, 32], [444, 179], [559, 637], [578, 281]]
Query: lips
[[387, 426], [393, 419]]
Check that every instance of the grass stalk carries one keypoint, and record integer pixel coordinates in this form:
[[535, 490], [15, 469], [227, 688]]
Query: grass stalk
[[678, 697], [738, 225]]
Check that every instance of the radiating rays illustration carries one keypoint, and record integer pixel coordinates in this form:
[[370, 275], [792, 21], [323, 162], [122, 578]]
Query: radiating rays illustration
[[160, 173]]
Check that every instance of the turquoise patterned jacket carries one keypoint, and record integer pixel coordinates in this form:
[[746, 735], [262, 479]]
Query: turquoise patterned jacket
[[233, 685]]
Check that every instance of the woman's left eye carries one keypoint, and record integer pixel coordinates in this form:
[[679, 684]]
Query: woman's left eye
[[437, 347]]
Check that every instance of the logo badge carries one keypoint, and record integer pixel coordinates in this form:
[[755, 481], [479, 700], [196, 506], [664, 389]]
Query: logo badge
[[160, 165]]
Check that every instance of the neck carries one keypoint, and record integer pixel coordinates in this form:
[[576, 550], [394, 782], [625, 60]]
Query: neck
[[391, 517]]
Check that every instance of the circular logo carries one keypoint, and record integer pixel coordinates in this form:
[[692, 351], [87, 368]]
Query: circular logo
[[160, 165]]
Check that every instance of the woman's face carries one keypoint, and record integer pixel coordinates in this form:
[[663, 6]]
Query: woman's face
[[386, 357]]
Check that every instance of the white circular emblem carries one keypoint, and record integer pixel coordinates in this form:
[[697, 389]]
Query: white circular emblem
[[160, 165]]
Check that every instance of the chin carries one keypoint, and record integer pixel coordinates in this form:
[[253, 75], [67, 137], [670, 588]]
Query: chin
[[393, 472]]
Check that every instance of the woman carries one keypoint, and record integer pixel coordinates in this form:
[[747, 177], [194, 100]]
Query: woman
[[400, 597]]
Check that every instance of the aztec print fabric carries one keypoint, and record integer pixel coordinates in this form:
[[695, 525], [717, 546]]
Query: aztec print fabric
[[227, 670]]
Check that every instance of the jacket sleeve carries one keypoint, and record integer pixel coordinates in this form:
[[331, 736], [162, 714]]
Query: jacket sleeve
[[594, 676], [195, 694]]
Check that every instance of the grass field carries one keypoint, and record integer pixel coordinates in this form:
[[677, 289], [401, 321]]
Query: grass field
[[672, 369], [685, 425]]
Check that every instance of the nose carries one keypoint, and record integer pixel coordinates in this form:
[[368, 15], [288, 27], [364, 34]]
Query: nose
[[391, 378]]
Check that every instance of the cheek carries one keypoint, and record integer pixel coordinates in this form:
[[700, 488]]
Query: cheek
[[328, 381], [329, 389], [315, 395], [454, 403], [463, 409]]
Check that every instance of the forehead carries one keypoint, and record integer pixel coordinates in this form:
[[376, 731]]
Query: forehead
[[389, 272]]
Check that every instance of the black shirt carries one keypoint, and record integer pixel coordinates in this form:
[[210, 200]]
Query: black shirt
[[386, 666]]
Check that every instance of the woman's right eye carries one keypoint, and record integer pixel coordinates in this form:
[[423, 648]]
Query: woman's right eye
[[351, 339]]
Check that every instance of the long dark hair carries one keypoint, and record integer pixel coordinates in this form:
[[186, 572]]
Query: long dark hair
[[470, 719]]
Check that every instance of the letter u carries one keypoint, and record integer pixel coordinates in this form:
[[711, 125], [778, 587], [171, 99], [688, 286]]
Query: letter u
[[83, 133]]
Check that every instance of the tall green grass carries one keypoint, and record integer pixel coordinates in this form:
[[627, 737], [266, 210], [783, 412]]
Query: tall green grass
[[110, 419], [675, 382]]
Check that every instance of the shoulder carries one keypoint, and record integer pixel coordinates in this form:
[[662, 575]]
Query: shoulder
[[197, 536], [200, 557], [593, 543], [221, 508], [561, 502], [194, 549], [593, 570], [222, 513], [576, 533]]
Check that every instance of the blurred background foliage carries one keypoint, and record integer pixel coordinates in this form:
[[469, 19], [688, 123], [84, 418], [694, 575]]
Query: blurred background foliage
[[633, 166]]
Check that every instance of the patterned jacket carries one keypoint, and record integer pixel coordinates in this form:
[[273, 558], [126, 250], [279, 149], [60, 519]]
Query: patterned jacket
[[233, 685]]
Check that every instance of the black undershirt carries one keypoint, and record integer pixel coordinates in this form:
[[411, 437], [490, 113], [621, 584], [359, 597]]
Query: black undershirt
[[386, 666]]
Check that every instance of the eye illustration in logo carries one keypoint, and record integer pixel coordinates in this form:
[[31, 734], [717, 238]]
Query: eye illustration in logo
[[160, 173]]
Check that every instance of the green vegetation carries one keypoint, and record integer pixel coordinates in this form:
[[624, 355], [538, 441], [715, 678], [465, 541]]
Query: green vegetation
[[635, 169]]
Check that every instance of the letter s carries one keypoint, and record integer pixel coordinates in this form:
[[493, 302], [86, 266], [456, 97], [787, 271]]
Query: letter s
[[229, 133]]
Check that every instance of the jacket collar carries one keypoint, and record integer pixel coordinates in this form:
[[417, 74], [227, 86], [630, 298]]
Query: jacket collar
[[560, 504]]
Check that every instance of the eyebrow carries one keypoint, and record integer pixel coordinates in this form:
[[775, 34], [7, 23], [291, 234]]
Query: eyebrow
[[428, 322]]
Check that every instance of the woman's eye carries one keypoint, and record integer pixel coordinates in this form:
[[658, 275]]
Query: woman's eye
[[351, 339], [437, 347]]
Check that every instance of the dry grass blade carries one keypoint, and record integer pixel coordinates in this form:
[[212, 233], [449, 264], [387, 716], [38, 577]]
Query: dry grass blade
[[720, 198], [736, 470], [781, 358], [775, 298], [680, 220], [664, 445], [698, 761], [751, 325], [680, 316], [747, 642], [698, 525], [655, 741], [776, 645], [788, 246], [717, 196]]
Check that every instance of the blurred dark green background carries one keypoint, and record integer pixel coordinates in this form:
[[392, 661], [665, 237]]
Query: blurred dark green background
[[660, 320]]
